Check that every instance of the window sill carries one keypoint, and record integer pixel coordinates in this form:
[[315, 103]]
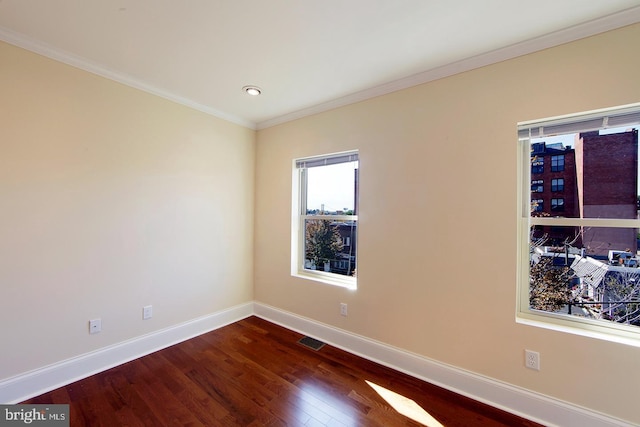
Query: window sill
[[617, 335], [328, 278]]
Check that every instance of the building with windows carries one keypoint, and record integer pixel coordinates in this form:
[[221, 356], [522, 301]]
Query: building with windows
[[345, 263], [554, 189], [607, 188], [594, 178]]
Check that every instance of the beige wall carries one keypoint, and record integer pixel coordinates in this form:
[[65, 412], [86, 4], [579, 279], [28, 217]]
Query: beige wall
[[437, 233], [112, 199]]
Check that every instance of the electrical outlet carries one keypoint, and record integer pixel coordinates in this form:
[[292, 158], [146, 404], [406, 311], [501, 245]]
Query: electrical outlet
[[95, 326], [532, 359], [343, 309], [147, 312]]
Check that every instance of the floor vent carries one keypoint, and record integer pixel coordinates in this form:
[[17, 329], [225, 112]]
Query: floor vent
[[312, 343]]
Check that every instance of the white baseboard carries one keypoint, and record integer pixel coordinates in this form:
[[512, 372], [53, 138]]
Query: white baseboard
[[533, 406], [524, 403], [34, 383]]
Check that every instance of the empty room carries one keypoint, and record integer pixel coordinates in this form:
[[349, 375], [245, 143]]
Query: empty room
[[338, 213]]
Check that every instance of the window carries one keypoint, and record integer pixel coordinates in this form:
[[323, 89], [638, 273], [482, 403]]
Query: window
[[557, 163], [537, 186], [557, 184], [578, 261], [326, 220], [557, 205], [537, 205], [537, 164]]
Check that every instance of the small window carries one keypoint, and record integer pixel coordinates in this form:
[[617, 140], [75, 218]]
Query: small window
[[326, 222], [537, 205], [557, 163], [537, 186], [537, 164], [578, 264], [557, 205], [557, 184]]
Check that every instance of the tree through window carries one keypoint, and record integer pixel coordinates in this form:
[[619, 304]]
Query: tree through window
[[579, 261], [327, 220]]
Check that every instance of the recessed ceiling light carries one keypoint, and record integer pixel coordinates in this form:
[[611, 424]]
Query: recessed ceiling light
[[252, 90]]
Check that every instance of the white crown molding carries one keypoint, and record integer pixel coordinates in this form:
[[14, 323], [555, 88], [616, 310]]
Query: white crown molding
[[607, 23], [22, 387], [524, 403], [76, 61], [587, 29]]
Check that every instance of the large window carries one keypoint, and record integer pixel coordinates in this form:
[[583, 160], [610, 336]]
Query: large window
[[326, 218], [578, 262]]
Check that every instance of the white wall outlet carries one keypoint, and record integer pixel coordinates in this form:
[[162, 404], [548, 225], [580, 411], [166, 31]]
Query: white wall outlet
[[343, 309], [532, 359], [147, 312], [95, 326]]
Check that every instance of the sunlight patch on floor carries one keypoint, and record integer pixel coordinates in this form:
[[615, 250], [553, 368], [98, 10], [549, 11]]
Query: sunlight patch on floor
[[405, 406], [316, 406]]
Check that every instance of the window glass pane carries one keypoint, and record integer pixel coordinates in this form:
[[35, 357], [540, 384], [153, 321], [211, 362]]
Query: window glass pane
[[597, 172], [327, 223], [557, 184], [330, 246], [557, 205], [589, 272], [537, 186], [557, 163], [537, 161], [585, 271], [537, 205], [332, 189]]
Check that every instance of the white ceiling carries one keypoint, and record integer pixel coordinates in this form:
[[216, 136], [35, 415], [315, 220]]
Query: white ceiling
[[306, 55]]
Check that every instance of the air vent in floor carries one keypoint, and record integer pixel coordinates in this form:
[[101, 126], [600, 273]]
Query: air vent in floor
[[312, 343]]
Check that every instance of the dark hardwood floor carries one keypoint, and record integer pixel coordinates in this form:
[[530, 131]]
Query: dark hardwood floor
[[255, 373]]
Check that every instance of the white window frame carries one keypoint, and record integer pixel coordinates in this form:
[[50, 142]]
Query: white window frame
[[299, 216], [628, 115]]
